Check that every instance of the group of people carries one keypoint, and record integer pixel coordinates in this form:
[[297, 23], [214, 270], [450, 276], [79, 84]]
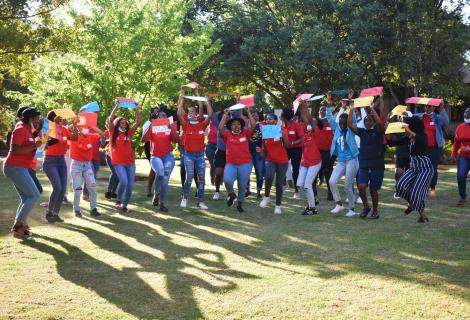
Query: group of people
[[317, 147]]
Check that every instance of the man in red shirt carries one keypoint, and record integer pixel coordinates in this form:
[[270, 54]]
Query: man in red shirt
[[462, 143]]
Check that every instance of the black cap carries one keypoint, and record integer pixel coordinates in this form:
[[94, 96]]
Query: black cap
[[19, 112], [30, 113]]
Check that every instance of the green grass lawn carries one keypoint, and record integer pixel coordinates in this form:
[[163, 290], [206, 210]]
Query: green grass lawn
[[220, 264]]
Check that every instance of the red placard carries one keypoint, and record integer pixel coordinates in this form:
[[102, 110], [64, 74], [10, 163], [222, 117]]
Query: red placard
[[372, 92], [88, 119], [248, 101]]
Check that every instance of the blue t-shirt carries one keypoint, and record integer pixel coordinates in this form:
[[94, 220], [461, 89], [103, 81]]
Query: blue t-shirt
[[343, 150], [371, 153]]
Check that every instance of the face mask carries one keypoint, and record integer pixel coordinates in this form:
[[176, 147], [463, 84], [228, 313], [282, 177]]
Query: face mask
[[322, 118], [85, 131], [122, 130], [193, 122], [467, 120], [235, 132], [309, 127], [429, 113]]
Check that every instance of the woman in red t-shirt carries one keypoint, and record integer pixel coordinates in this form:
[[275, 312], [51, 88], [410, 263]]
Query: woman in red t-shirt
[[238, 157], [310, 163], [161, 157], [54, 165], [122, 154], [16, 168], [277, 163], [194, 143]]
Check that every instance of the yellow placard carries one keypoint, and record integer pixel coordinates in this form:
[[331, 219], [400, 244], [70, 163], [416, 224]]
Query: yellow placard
[[399, 110], [363, 102], [65, 113], [396, 127]]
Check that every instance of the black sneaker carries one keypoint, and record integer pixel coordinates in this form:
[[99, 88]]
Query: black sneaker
[[374, 215], [310, 211], [230, 199], [408, 210], [317, 202], [94, 212], [239, 208], [124, 210], [156, 200], [78, 214], [58, 219], [247, 193], [330, 197], [364, 212], [114, 196], [163, 208], [108, 195], [149, 195], [50, 217]]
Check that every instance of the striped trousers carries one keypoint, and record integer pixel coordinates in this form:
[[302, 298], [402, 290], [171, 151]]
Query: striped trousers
[[413, 186]]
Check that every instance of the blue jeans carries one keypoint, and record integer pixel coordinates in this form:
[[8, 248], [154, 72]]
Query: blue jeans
[[126, 175], [56, 170], [463, 167], [113, 178], [210, 154], [95, 166], [81, 171], [26, 188], [239, 172], [191, 160], [162, 168], [434, 155], [260, 169]]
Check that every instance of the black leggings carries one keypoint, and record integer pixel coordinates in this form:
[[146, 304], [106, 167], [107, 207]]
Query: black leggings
[[295, 156], [280, 170]]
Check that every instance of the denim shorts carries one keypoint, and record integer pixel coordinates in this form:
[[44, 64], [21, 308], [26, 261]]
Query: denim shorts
[[372, 177]]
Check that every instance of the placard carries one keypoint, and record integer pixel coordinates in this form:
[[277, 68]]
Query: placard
[[372, 92], [399, 110], [160, 125], [248, 101], [363, 102], [237, 106], [340, 92], [196, 98], [87, 119], [426, 101], [303, 96], [192, 85], [127, 103], [396, 127], [319, 97], [65, 113], [91, 107], [271, 131]]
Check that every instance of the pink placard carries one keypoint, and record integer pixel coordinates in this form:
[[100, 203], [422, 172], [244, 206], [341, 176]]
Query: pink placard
[[125, 100], [303, 96], [248, 101], [372, 92]]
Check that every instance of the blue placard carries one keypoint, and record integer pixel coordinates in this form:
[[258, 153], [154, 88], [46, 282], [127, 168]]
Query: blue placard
[[127, 105], [45, 126], [340, 92], [271, 131], [91, 107]]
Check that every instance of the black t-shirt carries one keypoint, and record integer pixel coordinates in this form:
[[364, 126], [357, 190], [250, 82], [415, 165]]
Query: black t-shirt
[[371, 153]]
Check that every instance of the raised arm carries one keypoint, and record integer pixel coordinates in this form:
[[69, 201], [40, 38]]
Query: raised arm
[[252, 120], [199, 104], [138, 117], [305, 114], [112, 116], [222, 123], [180, 111], [351, 123], [378, 122], [209, 112]]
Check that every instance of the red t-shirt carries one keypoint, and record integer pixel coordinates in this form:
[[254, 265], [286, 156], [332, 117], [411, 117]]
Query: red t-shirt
[[462, 141], [212, 137], [160, 143], [237, 147], [122, 152], [96, 148], [275, 151], [325, 137], [60, 148], [294, 132], [310, 153], [193, 136], [22, 136], [430, 130], [82, 149]]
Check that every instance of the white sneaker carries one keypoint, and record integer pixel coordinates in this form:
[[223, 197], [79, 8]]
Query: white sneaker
[[264, 202], [337, 209], [395, 196], [350, 213], [359, 200], [184, 203], [216, 196], [202, 206], [277, 210], [296, 195]]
